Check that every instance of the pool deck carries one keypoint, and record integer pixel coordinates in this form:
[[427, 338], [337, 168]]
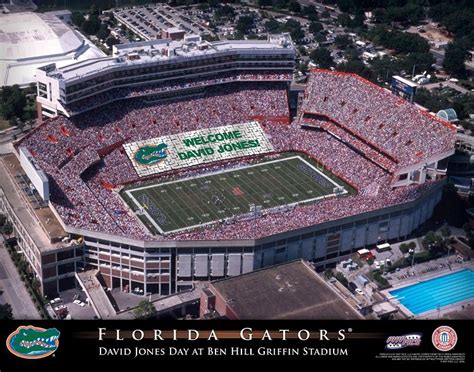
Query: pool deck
[[402, 282]]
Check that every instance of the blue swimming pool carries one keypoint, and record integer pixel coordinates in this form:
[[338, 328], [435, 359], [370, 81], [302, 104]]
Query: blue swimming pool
[[438, 292]]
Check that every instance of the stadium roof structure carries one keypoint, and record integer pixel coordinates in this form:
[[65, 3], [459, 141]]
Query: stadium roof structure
[[30, 40], [141, 53], [288, 291]]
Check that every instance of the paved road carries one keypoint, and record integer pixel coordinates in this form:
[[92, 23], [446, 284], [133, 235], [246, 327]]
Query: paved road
[[439, 57], [14, 291], [446, 84]]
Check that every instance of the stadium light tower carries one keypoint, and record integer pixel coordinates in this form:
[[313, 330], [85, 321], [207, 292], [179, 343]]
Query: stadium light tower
[[255, 209]]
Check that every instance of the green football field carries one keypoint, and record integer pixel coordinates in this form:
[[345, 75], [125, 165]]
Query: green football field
[[177, 205]]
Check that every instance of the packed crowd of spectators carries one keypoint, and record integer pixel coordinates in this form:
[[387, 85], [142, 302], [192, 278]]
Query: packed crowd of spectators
[[346, 137], [175, 84], [305, 215], [80, 162], [81, 187], [385, 121], [65, 148]]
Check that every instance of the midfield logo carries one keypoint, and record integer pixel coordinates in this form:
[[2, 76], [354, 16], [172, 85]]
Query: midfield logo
[[148, 155]]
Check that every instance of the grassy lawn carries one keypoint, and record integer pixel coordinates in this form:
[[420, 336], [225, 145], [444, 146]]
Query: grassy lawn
[[4, 124]]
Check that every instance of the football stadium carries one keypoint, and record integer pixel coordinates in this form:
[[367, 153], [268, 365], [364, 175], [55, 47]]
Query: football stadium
[[173, 162]]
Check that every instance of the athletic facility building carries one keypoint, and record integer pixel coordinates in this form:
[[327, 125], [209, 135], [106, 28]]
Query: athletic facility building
[[30, 40], [156, 185], [160, 68], [287, 291]]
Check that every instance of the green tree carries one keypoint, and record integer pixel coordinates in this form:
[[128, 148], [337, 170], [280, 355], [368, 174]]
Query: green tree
[[322, 57], [272, 26], [454, 60], [91, 26], [345, 5], [320, 37], [409, 14], [6, 312], [328, 273], [311, 13], [356, 66], [340, 276], [302, 51], [294, 28], [343, 41], [401, 42], [77, 19], [280, 4], [452, 207], [315, 27], [144, 310], [111, 41], [431, 100], [103, 32], [294, 7], [224, 12], [13, 102], [445, 231], [404, 248], [94, 10], [244, 24], [422, 61], [429, 240]]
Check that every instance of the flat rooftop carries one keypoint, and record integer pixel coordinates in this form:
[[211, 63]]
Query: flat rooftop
[[289, 291], [134, 54], [43, 226]]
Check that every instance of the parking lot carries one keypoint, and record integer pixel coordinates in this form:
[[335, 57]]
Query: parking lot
[[358, 272], [148, 22], [72, 304]]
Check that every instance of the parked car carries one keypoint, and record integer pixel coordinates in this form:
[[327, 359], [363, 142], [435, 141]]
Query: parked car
[[359, 291], [56, 300], [79, 302]]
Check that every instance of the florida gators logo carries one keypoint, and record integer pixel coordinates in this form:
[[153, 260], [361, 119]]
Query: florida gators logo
[[149, 155], [29, 342]]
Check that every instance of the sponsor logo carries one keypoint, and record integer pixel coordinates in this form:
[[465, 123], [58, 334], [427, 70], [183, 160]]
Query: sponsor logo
[[148, 155], [31, 342], [400, 342], [444, 338]]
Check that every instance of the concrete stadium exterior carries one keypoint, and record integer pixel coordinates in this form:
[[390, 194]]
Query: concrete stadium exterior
[[167, 267]]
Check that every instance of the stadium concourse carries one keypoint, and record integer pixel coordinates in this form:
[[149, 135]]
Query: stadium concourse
[[356, 130]]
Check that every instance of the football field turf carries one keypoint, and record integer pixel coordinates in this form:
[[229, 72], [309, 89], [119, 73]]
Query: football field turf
[[182, 204]]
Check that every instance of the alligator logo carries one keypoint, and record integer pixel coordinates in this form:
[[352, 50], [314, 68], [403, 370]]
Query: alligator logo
[[148, 155], [31, 342]]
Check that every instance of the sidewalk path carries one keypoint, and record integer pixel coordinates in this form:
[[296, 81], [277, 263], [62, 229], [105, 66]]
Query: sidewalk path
[[14, 291]]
